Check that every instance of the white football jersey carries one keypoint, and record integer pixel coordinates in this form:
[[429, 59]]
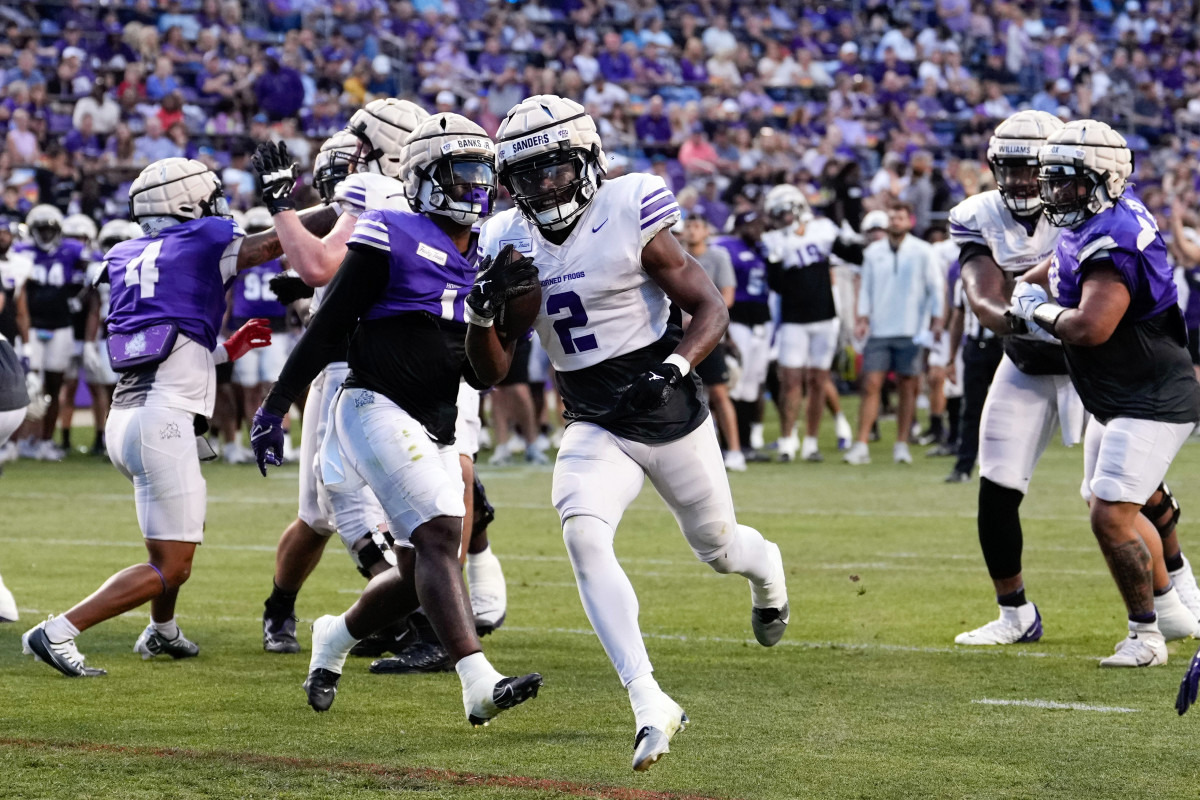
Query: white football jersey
[[597, 301], [15, 268], [795, 250], [984, 219], [359, 192]]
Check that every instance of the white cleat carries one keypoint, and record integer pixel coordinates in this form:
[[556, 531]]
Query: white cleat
[[48, 451], [735, 461], [482, 704], [1185, 585], [787, 447], [1143, 647], [810, 451], [900, 453], [1016, 625], [1175, 620], [858, 454], [8, 604], [653, 739]]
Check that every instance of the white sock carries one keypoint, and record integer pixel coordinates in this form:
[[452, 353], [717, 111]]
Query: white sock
[[478, 564], [810, 441], [169, 630], [644, 694], [607, 595], [749, 555], [475, 669], [59, 629], [333, 655]]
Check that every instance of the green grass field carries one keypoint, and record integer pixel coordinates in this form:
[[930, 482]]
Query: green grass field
[[867, 696]]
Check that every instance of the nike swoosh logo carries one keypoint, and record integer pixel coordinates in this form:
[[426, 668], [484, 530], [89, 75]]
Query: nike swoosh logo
[[601, 225], [258, 431]]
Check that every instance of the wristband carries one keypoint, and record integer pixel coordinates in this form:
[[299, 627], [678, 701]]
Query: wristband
[[220, 355], [679, 361], [1047, 314], [478, 321]]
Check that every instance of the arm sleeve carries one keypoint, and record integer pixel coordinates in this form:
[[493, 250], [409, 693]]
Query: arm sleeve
[[970, 250], [362, 277]]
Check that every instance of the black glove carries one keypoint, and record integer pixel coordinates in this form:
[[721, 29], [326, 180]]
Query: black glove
[[289, 288], [277, 172], [653, 389], [501, 278]]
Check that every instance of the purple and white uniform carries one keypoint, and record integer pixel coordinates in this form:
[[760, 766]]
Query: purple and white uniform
[[52, 291], [749, 317], [177, 276], [253, 299], [1139, 384]]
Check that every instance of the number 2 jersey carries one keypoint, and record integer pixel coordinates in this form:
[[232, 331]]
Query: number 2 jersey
[[1144, 370], [604, 322], [177, 276]]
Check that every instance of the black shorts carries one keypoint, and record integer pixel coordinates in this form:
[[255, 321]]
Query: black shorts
[[713, 371], [1194, 345], [519, 371]]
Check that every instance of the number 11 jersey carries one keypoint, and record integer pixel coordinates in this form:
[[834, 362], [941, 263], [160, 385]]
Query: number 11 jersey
[[603, 320]]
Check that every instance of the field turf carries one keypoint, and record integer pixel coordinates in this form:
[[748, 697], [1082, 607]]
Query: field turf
[[866, 697]]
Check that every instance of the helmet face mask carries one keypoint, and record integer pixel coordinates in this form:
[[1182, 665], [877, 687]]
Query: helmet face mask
[[45, 226], [551, 190], [1085, 169], [448, 168], [1017, 182], [1012, 154], [1066, 194]]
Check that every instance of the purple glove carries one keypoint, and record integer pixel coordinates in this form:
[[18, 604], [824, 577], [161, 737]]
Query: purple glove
[[266, 439], [1188, 686]]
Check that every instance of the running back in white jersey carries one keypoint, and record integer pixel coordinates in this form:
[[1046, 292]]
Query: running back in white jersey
[[984, 219], [597, 301]]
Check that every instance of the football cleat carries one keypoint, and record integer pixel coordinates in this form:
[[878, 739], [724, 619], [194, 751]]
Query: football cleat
[[814, 457], [652, 742], [63, 656], [279, 634], [8, 604], [1185, 585], [321, 688], [506, 694], [787, 447], [769, 614], [858, 454], [769, 624], [1016, 625], [392, 639], [417, 657], [843, 432], [901, 454], [735, 461], [152, 643], [1143, 647], [941, 450], [958, 476], [1175, 620]]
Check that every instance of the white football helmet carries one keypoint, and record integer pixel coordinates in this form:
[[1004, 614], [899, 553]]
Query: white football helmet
[[333, 162], [115, 231], [45, 225], [382, 127], [1013, 155], [179, 188], [448, 167], [786, 205], [81, 227], [1085, 168], [551, 159], [257, 219]]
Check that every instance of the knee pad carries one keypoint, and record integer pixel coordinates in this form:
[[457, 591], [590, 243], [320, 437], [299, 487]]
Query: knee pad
[[373, 548], [484, 514], [1156, 513]]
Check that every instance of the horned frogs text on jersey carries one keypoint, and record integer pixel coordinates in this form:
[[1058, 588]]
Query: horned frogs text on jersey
[[597, 301], [177, 276], [984, 219], [604, 321]]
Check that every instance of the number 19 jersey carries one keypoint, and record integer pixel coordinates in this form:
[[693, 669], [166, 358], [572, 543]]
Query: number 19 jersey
[[603, 320]]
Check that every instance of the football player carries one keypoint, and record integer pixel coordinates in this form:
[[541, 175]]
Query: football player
[[1116, 311], [15, 268], [168, 298], [1003, 233], [80, 228], [398, 298], [56, 280], [14, 399], [611, 269], [799, 250]]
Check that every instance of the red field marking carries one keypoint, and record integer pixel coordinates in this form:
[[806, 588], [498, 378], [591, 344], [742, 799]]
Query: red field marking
[[432, 774]]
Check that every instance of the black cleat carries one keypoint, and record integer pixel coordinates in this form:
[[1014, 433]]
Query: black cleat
[[417, 657], [483, 627], [152, 643], [279, 634], [321, 687], [393, 639], [508, 693], [958, 476], [63, 656]]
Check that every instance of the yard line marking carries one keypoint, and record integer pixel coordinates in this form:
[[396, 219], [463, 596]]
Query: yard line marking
[[1050, 704], [388, 772]]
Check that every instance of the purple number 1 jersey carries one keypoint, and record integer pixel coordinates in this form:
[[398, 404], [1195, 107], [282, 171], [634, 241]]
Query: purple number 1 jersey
[[1143, 370]]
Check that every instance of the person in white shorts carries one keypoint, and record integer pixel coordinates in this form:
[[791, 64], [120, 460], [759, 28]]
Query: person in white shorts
[[1116, 311], [14, 399], [800, 249], [168, 299], [610, 269]]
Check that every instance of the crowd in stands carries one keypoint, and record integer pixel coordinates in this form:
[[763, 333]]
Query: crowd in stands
[[850, 101]]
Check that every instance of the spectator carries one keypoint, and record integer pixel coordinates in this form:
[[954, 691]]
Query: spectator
[[697, 155], [919, 192], [692, 67], [585, 61], [26, 70], [21, 143], [153, 145], [615, 64], [162, 81], [603, 95], [654, 129], [83, 139], [718, 38], [279, 90], [121, 148]]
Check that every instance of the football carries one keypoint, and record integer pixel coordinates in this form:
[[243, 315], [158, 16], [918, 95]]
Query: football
[[518, 314]]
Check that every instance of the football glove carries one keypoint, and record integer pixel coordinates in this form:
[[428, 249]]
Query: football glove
[[1188, 686], [266, 439], [288, 288], [1025, 298], [653, 388], [255, 333], [277, 172], [501, 278]]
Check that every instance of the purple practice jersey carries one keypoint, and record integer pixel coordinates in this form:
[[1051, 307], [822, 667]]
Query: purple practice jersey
[[1191, 314], [427, 273], [1144, 370], [176, 276], [750, 297], [58, 275], [253, 298]]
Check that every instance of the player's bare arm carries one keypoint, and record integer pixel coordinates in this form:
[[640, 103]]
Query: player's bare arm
[[688, 286], [314, 257], [987, 291], [1103, 303], [259, 248]]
